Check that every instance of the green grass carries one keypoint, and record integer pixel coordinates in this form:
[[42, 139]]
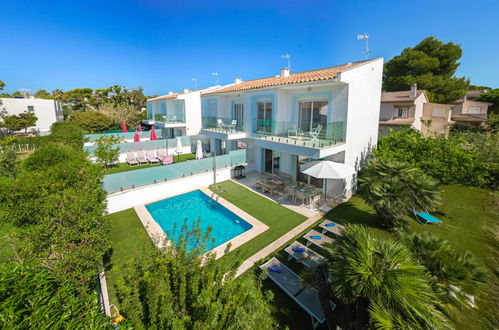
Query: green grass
[[129, 240], [279, 219], [466, 213], [124, 167]]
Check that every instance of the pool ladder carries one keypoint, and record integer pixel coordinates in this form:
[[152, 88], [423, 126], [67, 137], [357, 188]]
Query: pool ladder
[[214, 199]]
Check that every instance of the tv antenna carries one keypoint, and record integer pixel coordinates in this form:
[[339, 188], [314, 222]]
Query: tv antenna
[[288, 57], [215, 74], [195, 82], [365, 37]]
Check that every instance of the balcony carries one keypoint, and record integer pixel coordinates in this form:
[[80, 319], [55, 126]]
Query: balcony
[[168, 121], [223, 128], [322, 140]]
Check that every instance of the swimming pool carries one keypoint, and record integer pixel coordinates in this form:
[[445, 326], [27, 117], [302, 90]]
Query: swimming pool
[[170, 214]]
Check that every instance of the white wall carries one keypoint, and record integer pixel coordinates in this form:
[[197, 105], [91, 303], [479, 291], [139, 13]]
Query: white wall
[[192, 106], [364, 96], [47, 111], [148, 194], [418, 111]]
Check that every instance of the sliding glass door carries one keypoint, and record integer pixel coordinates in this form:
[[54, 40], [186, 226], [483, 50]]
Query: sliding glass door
[[264, 117], [312, 115], [238, 115]]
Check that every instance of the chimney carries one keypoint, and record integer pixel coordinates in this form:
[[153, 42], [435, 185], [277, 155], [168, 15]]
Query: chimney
[[186, 90], [170, 92], [414, 89], [285, 72], [237, 81]]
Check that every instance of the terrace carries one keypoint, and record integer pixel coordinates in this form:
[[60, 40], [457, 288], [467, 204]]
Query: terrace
[[223, 128]]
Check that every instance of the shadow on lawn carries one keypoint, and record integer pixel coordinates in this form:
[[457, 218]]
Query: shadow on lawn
[[356, 213]]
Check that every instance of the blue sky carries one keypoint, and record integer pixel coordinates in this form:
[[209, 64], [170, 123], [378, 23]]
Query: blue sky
[[161, 45]]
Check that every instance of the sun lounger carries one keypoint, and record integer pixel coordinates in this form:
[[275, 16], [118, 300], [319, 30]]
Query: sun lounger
[[425, 217], [332, 227], [289, 282], [317, 238], [141, 158], [303, 254], [168, 160], [130, 159], [151, 157]]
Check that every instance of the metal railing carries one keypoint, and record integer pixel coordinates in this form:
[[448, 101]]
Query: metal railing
[[222, 124]]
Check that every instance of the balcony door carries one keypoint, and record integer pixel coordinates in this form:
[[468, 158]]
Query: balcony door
[[264, 117], [238, 114], [312, 114]]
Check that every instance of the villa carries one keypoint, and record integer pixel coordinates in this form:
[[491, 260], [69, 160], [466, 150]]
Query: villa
[[287, 120], [412, 107], [179, 114]]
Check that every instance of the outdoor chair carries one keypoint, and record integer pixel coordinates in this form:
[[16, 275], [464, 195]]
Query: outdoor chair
[[314, 237], [130, 159], [293, 132], [151, 157], [314, 134], [426, 218], [173, 119], [160, 153], [167, 160], [331, 227], [232, 125], [220, 124], [306, 256], [141, 158]]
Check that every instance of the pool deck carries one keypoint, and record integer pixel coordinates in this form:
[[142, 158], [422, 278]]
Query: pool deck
[[159, 237]]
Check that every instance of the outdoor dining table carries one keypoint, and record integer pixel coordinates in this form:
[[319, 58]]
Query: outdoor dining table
[[310, 192]]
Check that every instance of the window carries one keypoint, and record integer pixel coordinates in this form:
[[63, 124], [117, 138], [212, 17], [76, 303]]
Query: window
[[31, 108], [212, 109], [400, 112], [438, 112], [264, 117], [474, 109], [311, 115], [238, 114]]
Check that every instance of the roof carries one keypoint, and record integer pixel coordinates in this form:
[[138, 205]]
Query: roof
[[397, 121], [165, 97], [472, 101], [463, 117], [400, 96], [294, 78], [476, 93]]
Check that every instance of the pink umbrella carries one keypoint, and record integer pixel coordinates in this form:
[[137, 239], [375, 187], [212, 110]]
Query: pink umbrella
[[139, 128], [153, 134], [123, 127], [136, 137]]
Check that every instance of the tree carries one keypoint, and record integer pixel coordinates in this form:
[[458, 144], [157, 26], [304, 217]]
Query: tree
[[382, 282], [9, 164], [32, 298], [107, 152], [92, 121], [42, 94], [120, 112], [432, 65], [27, 119], [453, 274], [19, 122], [67, 134], [58, 95], [394, 188], [177, 288], [491, 97]]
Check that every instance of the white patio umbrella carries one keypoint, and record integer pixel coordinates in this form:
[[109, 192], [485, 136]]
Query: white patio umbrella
[[199, 150], [178, 150], [327, 169]]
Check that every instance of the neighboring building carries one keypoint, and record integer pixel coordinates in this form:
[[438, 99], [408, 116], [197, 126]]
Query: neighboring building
[[412, 107], [286, 120], [47, 111], [470, 112], [178, 113]]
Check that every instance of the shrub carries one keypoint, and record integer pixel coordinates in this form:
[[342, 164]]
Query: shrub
[[92, 121]]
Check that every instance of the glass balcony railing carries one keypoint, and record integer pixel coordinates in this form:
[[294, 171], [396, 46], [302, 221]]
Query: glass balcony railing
[[169, 118], [223, 125], [316, 136]]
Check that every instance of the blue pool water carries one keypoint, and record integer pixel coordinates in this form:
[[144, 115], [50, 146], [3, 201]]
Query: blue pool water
[[170, 214]]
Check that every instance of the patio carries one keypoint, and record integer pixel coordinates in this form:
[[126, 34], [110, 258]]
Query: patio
[[277, 190]]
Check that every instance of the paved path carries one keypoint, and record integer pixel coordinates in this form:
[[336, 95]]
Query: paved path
[[275, 245]]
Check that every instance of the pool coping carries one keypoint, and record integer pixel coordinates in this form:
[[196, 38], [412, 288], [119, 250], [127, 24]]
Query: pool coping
[[159, 238]]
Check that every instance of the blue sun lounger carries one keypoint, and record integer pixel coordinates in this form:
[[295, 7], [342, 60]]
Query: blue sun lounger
[[426, 217]]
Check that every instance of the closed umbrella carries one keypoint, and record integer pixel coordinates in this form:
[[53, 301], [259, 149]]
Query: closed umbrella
[[178, 150], [327, 170], [153, 134], [123, 127], [199, 150], [139, 128], [136, 137]]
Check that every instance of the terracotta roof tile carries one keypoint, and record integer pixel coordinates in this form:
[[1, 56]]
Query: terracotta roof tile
[[397, 121], [464, 117], [164, 97], [293, 78], [400, 96]]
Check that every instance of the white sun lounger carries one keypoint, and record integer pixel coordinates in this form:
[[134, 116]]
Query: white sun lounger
[[309, 258], [320, 242], [141, 158], [289, 282], [332, 227]]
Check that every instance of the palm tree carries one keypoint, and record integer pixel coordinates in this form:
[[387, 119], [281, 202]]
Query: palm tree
[[382, 281], [454, 275], [394, 188]]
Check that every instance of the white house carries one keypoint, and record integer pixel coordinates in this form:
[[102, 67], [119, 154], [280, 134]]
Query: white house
[[178, 113], [287, 120], [47, 111]]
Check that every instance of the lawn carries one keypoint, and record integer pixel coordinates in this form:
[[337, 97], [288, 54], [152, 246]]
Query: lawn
[[124, 167], [129, 238]]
